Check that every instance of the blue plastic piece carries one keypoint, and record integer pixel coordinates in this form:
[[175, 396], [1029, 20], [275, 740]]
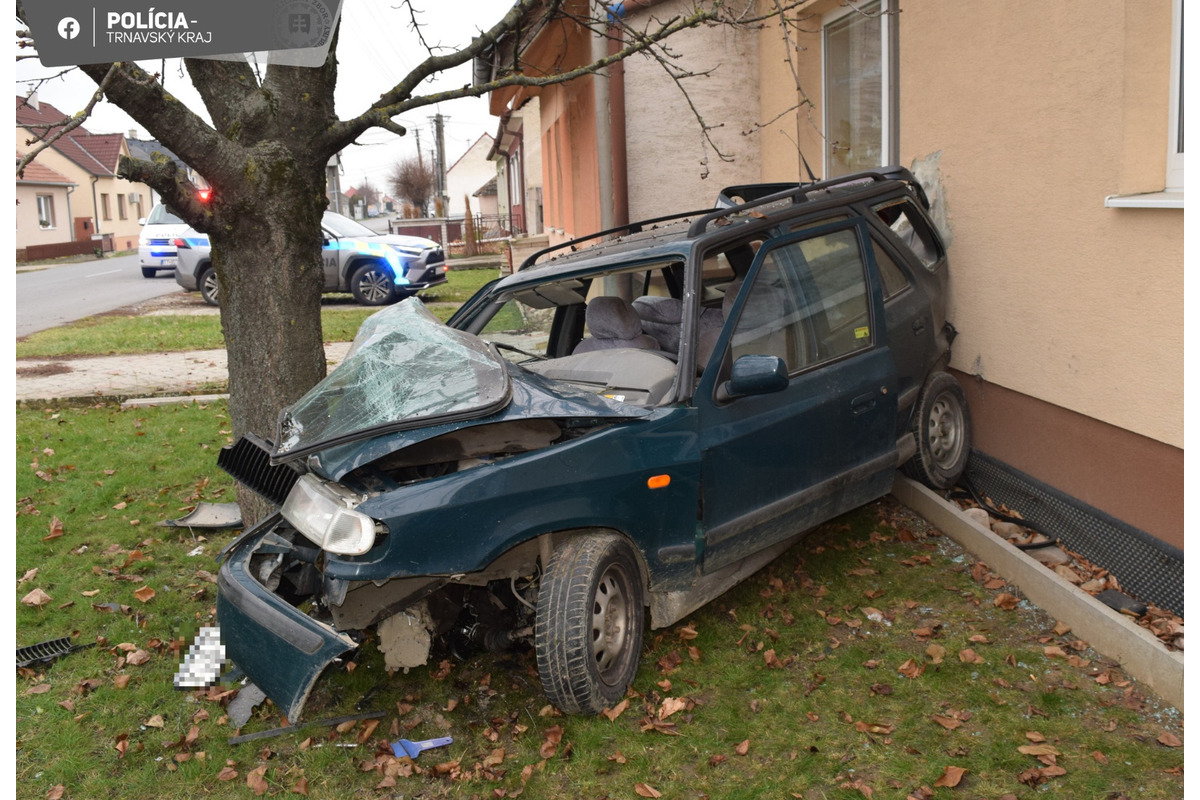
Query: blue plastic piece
[[404, 747]]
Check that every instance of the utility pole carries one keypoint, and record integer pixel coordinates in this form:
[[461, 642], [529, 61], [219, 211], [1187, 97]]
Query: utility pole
[[420, 159], [439, 132]]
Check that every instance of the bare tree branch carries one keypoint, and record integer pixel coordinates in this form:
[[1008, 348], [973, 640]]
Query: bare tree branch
[[70, 125]]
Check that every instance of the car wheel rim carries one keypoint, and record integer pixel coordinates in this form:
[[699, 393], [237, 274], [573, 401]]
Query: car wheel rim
[[210, 285], [610, 621], [375, 286], [945, 431]]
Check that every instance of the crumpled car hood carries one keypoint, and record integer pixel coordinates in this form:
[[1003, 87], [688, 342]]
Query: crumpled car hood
[[405, 369], [409, 378], [532, 397]]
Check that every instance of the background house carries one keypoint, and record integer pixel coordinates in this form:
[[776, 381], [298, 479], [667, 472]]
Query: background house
[[43, 209], [1048, 136], [103, 206], [464, 177]]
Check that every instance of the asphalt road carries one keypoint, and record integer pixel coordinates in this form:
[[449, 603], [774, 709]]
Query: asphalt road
[[66, 292]]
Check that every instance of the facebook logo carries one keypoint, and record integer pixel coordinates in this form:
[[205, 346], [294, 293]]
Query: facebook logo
[[68, 28]]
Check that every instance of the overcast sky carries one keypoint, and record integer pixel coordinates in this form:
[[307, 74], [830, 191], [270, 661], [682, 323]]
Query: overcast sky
[[377, 49]]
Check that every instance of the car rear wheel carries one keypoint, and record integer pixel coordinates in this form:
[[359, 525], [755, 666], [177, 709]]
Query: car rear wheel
[[372, 285], [590, 618], [149, 272], [943, 429], [209, 290]]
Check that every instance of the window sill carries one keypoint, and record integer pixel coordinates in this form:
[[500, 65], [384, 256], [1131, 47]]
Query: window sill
[[1172, 199]]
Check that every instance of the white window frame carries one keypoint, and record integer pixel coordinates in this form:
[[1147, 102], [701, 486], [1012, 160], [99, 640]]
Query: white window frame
[[49, 202], [1174, 124], [889, 64], [1172, 194]]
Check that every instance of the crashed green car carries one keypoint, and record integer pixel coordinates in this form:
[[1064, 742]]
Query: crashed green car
[[610, 437]]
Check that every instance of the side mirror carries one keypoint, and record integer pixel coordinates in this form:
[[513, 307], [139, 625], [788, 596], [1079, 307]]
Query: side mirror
[[754, 374], [141, 220]]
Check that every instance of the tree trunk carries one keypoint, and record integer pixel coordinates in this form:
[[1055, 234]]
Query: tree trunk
[[267, 257]]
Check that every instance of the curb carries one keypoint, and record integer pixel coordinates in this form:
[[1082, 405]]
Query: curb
[[1139, 652]]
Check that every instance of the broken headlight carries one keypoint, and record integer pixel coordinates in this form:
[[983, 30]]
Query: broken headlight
[[324, 513]]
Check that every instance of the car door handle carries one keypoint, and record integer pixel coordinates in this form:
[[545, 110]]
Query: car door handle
[[862, 404], [918, 325]]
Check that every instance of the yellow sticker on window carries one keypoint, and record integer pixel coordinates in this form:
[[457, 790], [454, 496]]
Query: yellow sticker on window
[[862, 333]]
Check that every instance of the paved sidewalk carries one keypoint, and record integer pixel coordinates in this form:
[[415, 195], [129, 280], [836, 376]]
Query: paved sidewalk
[[147, 375]]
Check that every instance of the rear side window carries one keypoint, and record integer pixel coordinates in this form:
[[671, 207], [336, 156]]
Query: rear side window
[[906, 222], [160, 215], [894, 279]]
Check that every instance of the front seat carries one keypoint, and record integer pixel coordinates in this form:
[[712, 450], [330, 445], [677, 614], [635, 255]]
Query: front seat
[[613, 323]]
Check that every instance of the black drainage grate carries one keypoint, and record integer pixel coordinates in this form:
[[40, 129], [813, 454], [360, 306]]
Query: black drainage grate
[[1147, 568]]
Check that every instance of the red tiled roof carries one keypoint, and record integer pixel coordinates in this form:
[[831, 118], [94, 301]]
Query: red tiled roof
[[38, 173], [97, 154]]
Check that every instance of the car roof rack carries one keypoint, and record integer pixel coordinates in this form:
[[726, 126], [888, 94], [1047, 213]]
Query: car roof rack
[[752, 195], [620, 230], [756, 195]]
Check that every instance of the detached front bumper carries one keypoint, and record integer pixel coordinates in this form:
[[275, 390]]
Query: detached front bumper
[[281, 650]]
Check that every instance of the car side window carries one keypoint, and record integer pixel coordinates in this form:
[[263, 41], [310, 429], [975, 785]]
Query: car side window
[[906, 222], [894, 279], [808, 303]]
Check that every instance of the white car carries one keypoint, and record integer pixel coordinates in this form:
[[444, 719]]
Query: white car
[[156, 243]]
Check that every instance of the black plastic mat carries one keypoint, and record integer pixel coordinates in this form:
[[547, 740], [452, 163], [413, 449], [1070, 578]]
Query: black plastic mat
[[1146, 567]]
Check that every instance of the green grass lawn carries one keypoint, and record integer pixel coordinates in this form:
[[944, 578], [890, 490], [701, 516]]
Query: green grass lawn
[[868, 661], [116, 334]]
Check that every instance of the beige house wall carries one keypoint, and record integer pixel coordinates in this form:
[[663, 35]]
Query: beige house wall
[[671, 167], [1027, 115], [29, 229], [85, 203]]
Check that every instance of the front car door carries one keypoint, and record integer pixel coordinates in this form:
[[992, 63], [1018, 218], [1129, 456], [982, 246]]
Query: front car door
[[778, 463]]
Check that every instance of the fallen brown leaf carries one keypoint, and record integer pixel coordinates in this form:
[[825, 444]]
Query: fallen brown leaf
[[612, 713], [951, 776], [37, 598], [1005, 601], [948, 723], [145, 594], [56, 529], [742, 748], [644, 790], [1170, 740], [255, 780]]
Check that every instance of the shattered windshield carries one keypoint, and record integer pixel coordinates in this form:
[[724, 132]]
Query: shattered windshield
[[404, 369]]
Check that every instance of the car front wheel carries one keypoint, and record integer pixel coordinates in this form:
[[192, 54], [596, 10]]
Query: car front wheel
[[590, 618], [372, 285], [208, 286], [943, 430], [149, 272]]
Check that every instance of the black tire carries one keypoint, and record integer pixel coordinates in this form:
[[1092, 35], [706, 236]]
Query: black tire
[[207, 282], [372, 285], [590, 618], [149, 272], [942, 426]]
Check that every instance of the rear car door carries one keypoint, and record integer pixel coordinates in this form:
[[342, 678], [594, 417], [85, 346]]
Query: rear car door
[[777, 463]]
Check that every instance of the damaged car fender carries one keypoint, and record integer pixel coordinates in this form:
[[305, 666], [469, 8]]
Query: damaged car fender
[[282, 649]]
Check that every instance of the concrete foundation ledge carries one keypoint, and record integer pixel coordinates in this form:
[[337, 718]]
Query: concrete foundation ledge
[[1138, 651]]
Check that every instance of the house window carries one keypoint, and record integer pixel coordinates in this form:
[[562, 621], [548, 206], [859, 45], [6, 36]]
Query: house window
[[860, 50], [1175, 127], [104, 207], [45, 207], [121, 206]]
